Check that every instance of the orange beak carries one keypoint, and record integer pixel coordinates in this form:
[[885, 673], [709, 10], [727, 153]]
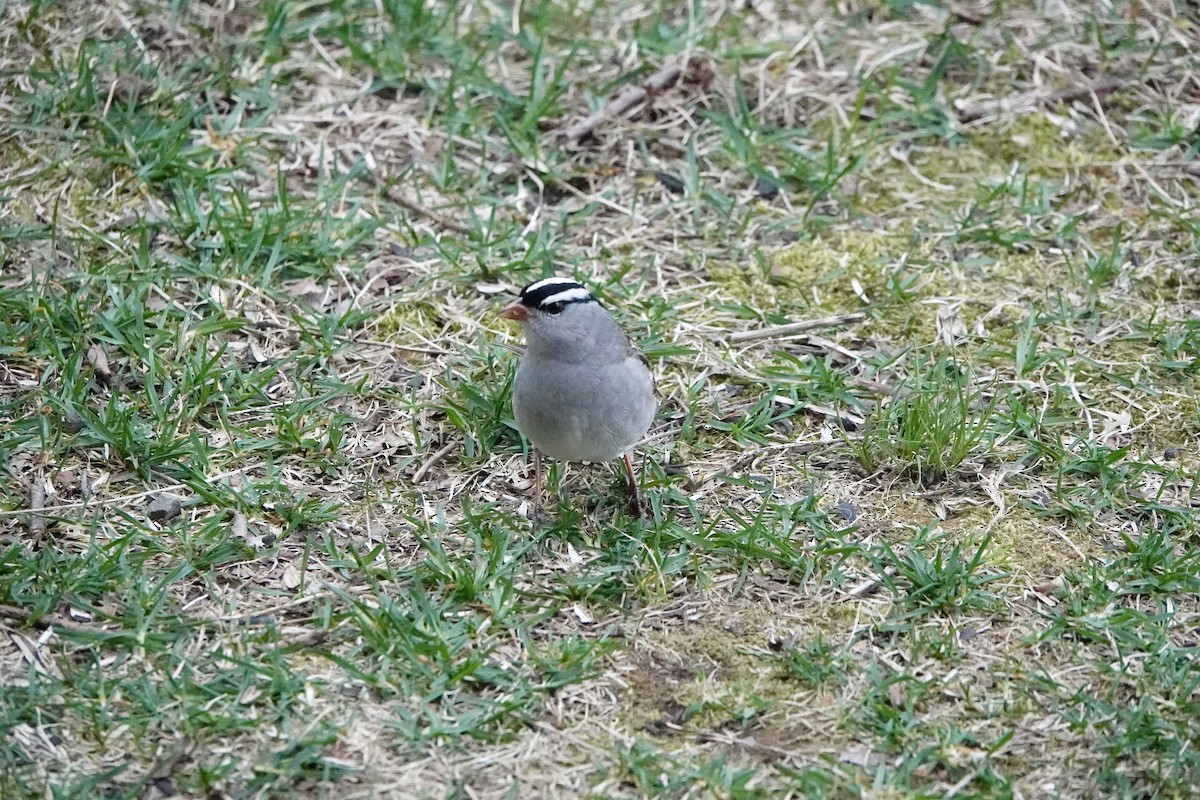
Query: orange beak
[[515, 312]]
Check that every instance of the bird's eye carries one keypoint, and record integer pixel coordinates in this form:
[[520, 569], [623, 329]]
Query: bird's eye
[[553, 308]]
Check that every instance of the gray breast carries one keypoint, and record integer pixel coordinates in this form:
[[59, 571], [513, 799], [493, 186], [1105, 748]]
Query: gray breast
[[584, 413]]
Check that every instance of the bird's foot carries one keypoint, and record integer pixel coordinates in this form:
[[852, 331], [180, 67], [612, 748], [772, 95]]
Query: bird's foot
[[634, 503], [633, 495]]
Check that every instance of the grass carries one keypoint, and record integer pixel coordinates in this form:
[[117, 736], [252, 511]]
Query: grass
[[935, 422], [261, 527]]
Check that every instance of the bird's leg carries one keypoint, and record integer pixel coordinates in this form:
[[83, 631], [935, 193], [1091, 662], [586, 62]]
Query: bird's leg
[[538, 514], [633, 494], [537, 481]]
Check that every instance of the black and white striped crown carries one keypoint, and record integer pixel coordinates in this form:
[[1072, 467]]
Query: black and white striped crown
[[552, 295]]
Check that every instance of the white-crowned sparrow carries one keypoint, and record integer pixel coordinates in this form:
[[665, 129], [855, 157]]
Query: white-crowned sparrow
[[583, 390]]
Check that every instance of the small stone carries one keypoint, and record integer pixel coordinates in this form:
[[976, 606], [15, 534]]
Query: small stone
[[847, 511], [766, 189], [164, 506], [670, 182], [162, 788], [73, 422], [68, 483], [861, 755], [99, 361]]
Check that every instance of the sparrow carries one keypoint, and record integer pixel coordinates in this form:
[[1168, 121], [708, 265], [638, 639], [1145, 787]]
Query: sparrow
[[583, 390]]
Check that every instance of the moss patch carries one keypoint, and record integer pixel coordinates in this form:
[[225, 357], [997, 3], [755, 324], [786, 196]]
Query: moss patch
[[714, 674], [1027, 545], [417, 317]]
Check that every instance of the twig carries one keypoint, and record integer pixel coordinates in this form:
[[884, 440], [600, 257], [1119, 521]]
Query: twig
[[963, 783], [419, 475], [429, 351], [37, 502], [793, 448], [732, 739], [833, 349], [112, 501], [1069, 543], [433, 351], [627, 99], [871, 584], [842, 418], [50, 620], [394, 195], [797, 327], [872, 386], [1031, 100], [266, 612], [964, 14]]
